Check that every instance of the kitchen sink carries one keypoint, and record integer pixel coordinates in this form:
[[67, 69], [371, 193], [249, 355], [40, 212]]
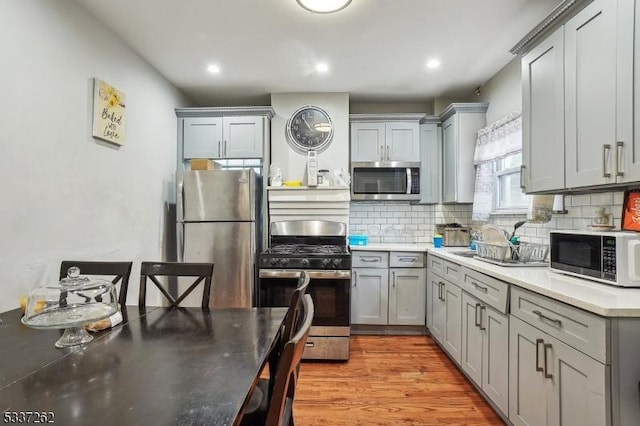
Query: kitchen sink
[[464, 253]]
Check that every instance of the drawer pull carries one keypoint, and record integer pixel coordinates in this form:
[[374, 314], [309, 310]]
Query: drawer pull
[[370, 260], [482, 308], [479, 287], [555, 321], [476, 318], [538, 368], [309, 345], [407, 259], [546, 375]]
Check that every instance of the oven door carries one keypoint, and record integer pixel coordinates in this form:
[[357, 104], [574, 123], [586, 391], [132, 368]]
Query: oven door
[[330, 291]]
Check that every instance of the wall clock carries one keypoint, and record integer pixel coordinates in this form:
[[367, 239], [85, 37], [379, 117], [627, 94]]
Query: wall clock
[[310, 128]]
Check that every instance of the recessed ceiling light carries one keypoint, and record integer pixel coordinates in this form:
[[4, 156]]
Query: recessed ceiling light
[[213, 69], [323, 6], [433, 63], [322, 67]]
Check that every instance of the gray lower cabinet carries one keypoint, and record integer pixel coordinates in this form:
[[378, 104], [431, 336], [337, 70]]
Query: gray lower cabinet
[[390, 290], [444, 300], [552, 383], [406, 296], [369, 293], [485, 349]]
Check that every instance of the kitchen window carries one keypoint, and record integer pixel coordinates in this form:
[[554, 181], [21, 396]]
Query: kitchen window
[[507, 194]]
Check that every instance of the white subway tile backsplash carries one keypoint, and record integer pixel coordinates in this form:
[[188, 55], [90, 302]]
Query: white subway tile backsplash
[[372, 217]]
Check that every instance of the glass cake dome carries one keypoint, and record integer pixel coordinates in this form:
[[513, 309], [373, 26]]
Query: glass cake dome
[[70, 304]]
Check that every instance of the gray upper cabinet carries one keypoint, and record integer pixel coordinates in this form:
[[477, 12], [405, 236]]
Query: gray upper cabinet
[[598, 92], [385, 137], [219, 133], [543, 115], [579, 93], [431, 159], [460, 125]]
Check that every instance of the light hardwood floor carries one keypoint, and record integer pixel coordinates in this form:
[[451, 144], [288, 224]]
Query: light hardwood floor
[[389, 380]]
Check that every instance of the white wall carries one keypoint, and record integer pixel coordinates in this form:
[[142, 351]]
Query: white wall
[[64, 194], [292, 163], [503, 92]]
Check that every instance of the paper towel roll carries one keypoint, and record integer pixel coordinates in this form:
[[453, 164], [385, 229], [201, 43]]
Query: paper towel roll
[[540, 208]]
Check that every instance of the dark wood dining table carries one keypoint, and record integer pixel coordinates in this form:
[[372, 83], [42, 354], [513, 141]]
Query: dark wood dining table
[[161, 366]]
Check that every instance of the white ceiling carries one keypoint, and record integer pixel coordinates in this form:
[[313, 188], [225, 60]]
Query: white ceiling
[[376, 49]]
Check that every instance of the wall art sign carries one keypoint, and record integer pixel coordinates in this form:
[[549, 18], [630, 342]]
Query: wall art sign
[[108, 112], [631, 210]]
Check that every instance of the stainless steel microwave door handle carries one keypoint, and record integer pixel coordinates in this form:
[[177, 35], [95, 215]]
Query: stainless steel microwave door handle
[[553, 320], [409, 180], [605, 148], [538, 342], [619, 151], [546, 366]]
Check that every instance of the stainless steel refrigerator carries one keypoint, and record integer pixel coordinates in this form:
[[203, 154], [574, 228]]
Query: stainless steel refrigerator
[[219, 215]]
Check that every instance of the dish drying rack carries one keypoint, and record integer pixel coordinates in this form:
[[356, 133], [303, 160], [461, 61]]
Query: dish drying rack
[[513, 253]]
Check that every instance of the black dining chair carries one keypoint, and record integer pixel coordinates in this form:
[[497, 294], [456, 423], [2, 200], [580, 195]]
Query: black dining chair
[[202, 272], [264, 387], [119, 270], [278, 409]]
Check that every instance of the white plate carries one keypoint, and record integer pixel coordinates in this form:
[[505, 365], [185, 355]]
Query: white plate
[[493, 234], [601, 227]]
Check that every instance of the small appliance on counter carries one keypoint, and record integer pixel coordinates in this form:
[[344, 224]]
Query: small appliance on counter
[[454, 234]]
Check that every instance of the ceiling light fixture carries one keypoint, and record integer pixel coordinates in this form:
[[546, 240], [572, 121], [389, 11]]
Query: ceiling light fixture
[[433, 63], [323, 6], [322, 67], [213, 69]]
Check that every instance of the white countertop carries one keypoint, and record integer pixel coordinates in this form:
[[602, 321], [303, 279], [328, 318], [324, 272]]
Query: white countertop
[[601, 299]]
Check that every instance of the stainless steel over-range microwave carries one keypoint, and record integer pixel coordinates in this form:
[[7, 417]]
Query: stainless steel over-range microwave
[[391, 180]]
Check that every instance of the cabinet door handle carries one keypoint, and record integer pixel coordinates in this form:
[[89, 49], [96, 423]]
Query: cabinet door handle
[[388, 156], [482, 308], [541, 315], [479, 287], [522, 168], [477, 323], [440, 287], [355, 278], [219, 153], [538, 341], [546, 374], [224, 144], [606, 147], [393, 279], [619, 148], [381, 152]]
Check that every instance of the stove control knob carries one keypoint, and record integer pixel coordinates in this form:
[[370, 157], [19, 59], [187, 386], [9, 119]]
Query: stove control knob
[[305, 262], [284, 261], [326, 262], [337, 262], [273, 261]]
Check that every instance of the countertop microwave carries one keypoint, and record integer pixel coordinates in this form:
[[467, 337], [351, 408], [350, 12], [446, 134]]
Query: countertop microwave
[[610, 257], [391, 180]]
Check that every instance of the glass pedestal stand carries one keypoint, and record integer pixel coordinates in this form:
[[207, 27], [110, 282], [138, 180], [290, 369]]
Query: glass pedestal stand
[[73, 336]]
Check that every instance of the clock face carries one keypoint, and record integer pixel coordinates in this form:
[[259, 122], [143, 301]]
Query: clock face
[[310, 128]]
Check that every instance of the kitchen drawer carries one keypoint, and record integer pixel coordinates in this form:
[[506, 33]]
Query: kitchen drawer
[[320, 347], [579, 329], [370, 259], [406, 259], [444, 268], [491, 291]]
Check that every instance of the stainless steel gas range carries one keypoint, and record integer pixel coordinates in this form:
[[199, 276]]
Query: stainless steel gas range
[[320, 248]]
